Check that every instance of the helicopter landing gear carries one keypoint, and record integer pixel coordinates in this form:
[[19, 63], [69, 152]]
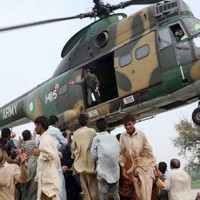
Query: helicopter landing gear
[[196, 115]]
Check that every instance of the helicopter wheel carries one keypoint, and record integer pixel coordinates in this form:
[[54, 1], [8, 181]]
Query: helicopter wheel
[[196, 116]]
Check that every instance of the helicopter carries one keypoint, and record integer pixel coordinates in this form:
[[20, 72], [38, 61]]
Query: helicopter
[[142, 67]]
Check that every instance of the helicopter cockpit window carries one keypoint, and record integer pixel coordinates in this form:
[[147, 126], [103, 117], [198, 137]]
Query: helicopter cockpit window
[[164, 38], [142, 52], [193, 25], [178, 33], [125, 59], [182, 46]]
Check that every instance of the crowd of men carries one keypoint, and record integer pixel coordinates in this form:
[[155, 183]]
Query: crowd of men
[[86, 165]]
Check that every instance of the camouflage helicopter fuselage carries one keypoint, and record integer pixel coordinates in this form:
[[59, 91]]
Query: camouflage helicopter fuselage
[[150, 71]]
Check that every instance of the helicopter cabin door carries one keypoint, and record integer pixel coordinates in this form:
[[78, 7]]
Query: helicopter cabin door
[[136, 66]]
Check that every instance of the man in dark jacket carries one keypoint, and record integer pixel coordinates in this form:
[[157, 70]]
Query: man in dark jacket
[[91, 84]]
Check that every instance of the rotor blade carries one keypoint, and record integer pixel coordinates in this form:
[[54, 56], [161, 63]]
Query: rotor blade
[[125, 4], [135, 2], [80, 16]]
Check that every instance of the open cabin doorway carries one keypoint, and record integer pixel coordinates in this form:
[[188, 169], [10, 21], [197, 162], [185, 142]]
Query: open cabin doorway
[[104, 70]]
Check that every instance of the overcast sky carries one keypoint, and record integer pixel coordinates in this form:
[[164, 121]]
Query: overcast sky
[[29, 56]]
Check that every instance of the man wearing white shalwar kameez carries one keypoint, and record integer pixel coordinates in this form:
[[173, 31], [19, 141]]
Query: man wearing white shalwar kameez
[[178, 182], [105, 151], [60, 143], [48, 163]]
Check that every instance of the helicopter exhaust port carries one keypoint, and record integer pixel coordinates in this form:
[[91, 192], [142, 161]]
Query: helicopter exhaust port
[[102, 39]]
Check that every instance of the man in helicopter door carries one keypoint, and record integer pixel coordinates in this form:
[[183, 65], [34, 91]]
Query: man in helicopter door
[[91, 84]]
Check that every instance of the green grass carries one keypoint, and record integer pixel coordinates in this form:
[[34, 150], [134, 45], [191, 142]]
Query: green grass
[[196, 184]]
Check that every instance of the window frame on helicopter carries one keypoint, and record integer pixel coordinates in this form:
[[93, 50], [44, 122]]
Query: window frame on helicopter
[[179, 50], [142, 52]]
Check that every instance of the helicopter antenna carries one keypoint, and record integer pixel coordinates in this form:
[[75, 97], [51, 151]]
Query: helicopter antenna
[[99, 10]]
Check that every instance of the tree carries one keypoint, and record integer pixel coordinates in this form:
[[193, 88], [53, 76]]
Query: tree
[[188, 142]]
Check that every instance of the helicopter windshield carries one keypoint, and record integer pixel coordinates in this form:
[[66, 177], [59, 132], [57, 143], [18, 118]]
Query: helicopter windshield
[[193, 25]]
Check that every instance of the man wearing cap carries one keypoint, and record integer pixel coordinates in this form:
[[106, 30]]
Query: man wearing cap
[[91, 83]]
